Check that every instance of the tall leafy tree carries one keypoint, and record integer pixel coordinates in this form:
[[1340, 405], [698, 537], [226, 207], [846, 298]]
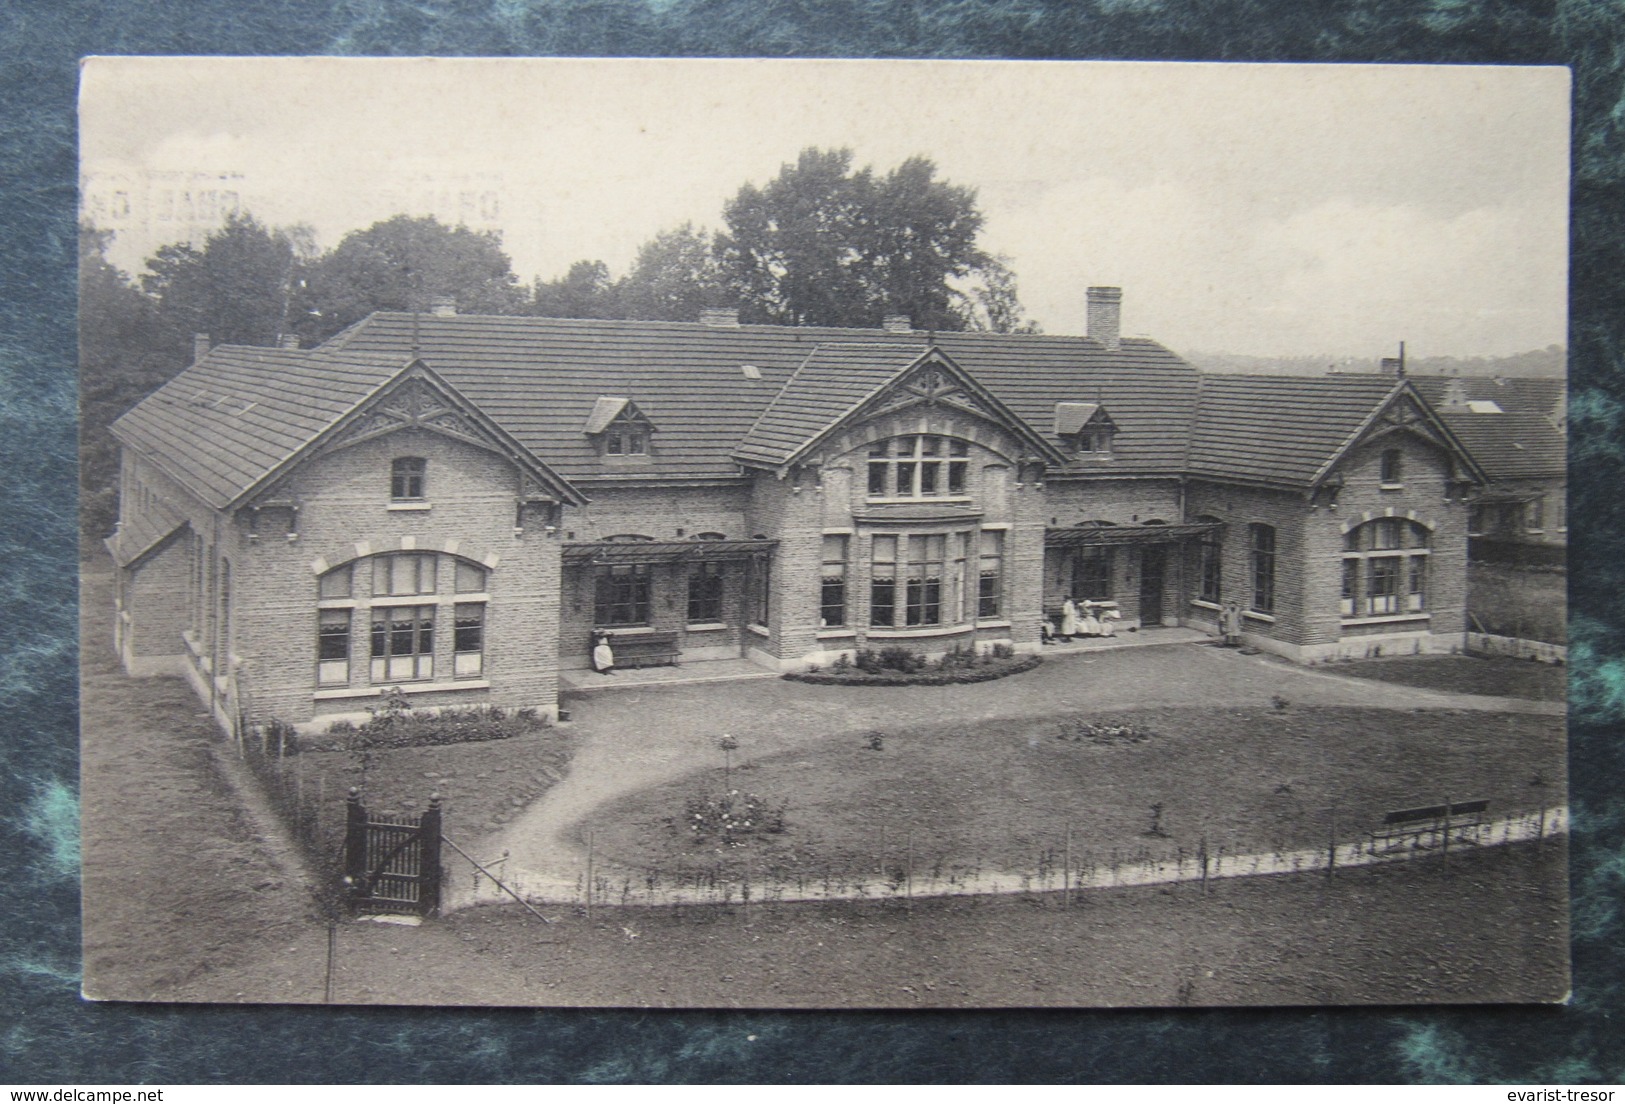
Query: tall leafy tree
[[585, 291], [799, 249], [826, 244], [401, 264], [988, 300], [123, 356], [236, 287], [676, 275]]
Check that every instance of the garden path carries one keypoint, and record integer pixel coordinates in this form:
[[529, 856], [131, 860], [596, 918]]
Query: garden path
[[644, 736]]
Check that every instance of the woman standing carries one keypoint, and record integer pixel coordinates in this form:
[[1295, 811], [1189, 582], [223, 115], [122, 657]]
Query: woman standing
[[603, 657], [1069, 618]]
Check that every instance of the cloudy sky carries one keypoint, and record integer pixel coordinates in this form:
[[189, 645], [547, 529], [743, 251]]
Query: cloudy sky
[[1246, 209]]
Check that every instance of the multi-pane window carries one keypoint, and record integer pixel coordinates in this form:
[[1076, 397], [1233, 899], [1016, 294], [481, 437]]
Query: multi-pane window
[[1385, 568], [402, 643], [1534, 514], [883, 582], [1261, 541], [401, 636], [1393, 468], [918, 466], [626, 441], [1092, 574], [1382, 585], [990, 574], [832, 582], [705, 592], [403, 574], [333, 647], [622, 594], [1209, 568], [468, 640], [407, 478], [923, 595]]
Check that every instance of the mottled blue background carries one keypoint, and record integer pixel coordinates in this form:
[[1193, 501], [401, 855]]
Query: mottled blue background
[[54, 1037]]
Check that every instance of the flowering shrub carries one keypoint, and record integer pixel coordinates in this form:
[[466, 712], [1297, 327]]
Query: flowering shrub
[[1092, 732], [972, 668], [392, 727], [732, 815]]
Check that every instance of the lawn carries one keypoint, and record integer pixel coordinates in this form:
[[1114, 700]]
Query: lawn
[[1496, 676], [1530, 603], [1002, 795]]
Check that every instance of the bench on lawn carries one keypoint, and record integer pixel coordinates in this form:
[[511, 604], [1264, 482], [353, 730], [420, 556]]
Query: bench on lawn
[[645, 649], [1430, 826]]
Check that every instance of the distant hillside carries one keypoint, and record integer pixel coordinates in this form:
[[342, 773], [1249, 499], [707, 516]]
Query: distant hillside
[[1550, 362]]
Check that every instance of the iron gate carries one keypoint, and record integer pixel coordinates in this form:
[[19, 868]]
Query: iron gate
[[392, 865]]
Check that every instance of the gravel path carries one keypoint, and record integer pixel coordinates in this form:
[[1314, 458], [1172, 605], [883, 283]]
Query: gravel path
[[631, 740]]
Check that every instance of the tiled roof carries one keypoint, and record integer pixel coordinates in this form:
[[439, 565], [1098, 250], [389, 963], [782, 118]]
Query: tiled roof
[[833, 381], [1511, 445], [222, 424], [540, 378], [1280, 429], [142, 532], [1513, 394], [1521, 442]]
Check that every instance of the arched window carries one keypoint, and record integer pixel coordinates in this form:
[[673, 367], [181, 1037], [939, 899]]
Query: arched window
[[397, 599], [1385, 568]]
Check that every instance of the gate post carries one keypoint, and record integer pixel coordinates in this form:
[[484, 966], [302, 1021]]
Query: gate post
[[429, 864], [355, 845]]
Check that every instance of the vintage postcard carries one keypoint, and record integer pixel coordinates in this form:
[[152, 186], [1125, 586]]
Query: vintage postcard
[[823, 534]]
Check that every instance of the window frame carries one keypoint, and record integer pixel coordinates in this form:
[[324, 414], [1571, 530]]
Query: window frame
[[1395, 587], [832, 596], [990, 575], [632, 606], [403, 482], [935, 466], [1262, 549], [1391, 469], [705, 591], [401, 628]]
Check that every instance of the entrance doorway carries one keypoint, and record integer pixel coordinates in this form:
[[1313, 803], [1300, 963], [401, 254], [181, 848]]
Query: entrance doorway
[[1153, 567]]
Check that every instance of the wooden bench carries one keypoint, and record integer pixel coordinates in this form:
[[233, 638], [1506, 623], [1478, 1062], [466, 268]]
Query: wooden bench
[[1430, 826], [645, 649]]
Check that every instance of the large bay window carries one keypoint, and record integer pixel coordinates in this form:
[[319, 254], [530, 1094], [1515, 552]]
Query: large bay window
[[1385, 569], [409, 592], [918, 466], [918, 580], [923, 593]]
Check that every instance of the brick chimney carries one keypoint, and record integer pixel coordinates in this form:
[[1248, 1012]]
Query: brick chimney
[[897, 323], [1105, 316], [288, 341], [720, 316], [443, 306], [200, 347]]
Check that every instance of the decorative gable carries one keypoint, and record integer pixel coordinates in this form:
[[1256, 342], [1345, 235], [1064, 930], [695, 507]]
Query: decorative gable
[[415, 404], [930, 383]]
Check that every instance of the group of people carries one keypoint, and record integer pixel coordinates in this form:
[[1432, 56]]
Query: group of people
[[1086, 618]]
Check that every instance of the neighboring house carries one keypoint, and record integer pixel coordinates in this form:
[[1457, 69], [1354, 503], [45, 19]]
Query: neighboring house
[[453, 505], [1515, 429]]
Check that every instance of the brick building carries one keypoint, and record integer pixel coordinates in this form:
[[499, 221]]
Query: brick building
[[453, 504]]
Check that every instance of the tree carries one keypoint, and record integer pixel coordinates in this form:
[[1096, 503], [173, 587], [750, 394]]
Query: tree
[[401, 264], [675, 276], [123, 357], [988, 302], [236, 287], [584, 292], [824, 244], [797, 249]]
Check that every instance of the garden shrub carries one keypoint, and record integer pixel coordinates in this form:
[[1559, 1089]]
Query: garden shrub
[[732, 815], [977, 669], [392, 727]]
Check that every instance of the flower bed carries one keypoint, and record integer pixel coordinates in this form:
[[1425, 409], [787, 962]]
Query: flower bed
[[993, 668]]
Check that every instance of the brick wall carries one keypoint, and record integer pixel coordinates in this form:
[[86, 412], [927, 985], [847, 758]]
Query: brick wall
[[345, 517]]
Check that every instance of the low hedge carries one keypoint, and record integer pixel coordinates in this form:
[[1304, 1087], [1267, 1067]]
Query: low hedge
[[469, 725], [999, 668]]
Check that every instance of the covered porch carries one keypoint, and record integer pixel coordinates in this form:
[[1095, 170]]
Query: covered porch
[[1135, 576]]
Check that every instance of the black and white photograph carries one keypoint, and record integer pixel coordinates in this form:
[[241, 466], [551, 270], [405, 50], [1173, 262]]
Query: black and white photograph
[[823, 534]]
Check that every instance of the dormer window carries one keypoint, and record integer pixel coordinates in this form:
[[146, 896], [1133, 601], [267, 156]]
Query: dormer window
[[407, 479], [619, 428], [1086, 429]]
